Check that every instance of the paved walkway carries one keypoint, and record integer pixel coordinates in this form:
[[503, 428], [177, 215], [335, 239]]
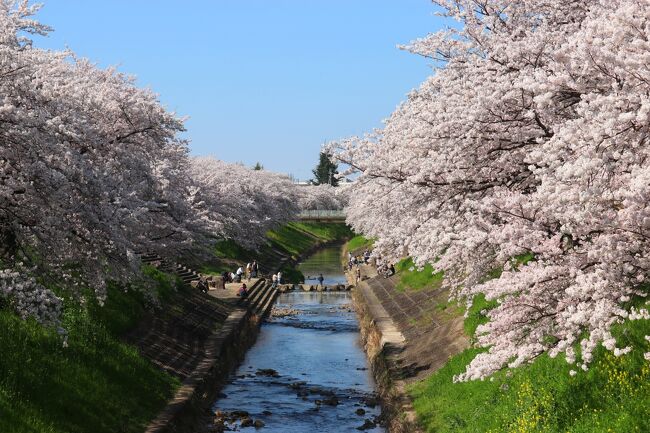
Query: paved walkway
[[230, 294]]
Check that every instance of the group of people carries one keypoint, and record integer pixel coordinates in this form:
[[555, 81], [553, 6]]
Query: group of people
[[243, 289], [276, 279], [386, 270], [250, 271], [358, 259], [383, 268]]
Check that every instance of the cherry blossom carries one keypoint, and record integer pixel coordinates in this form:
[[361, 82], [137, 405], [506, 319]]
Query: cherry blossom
[[531, 137]]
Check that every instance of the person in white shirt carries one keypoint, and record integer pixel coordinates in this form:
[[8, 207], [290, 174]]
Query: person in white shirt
[[239, 274]]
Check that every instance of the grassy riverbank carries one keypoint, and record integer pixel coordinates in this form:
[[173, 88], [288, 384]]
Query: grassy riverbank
[[612, 396], [289, 241], [96, 384], [359, 243]]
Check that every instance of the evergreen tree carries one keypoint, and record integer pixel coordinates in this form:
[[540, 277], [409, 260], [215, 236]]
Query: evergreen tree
[[326, 171], [258, 166]]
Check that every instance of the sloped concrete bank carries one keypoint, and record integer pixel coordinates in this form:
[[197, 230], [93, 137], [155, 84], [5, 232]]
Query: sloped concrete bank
[[189, 410], [383, 342]]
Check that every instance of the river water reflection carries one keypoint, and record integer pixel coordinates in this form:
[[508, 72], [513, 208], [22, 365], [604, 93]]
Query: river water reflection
[[307, 372]]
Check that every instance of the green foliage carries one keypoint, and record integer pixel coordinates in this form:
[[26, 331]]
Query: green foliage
[[96, 384], [413, 279], [476, 314], [613, 396], [326, 171], [358, 242], [226, 250]]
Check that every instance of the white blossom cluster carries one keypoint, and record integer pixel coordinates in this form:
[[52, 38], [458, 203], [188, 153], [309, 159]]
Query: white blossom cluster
[[531, 137], [240, 203], [29, 298], [322, 197], [92, 170]]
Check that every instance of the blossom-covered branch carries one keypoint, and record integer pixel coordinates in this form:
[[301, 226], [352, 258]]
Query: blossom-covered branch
[[531, 138]]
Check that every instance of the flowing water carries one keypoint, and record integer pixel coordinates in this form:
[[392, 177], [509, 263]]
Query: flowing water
[[307, 371]]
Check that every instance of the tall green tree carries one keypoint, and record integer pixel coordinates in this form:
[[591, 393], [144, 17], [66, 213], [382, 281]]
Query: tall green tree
[[258, 166], [326, 171]]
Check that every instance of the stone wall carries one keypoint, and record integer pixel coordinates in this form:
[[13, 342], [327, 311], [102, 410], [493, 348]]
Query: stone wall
[[381, 348]]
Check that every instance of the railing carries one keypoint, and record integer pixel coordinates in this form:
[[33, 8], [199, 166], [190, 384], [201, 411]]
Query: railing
[[322, 215]]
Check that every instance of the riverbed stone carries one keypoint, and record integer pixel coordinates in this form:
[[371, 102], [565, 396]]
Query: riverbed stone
[[368, 424], [267, 372], [258, 423], [247, 422], [331, 401]]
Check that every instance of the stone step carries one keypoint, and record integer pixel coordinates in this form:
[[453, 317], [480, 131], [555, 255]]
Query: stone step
[[254, 293], [265, 306], [261, 293]]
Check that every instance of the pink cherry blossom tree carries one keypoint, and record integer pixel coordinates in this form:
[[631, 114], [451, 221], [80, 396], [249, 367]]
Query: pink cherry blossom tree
[[322, 197], [531, 137], [240, 203], [91, 170]]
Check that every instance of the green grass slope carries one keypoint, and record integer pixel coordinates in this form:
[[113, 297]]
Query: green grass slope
[[96, 384], [292, 240], [416, 279], [358, 243], [613, 396]]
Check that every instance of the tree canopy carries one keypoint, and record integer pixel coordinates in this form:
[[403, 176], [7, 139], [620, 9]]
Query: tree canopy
[[530, 139], [93, 171], [326, 171]]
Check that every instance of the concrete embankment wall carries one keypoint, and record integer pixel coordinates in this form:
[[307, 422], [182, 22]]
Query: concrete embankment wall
[[189, 410], [382, 343]]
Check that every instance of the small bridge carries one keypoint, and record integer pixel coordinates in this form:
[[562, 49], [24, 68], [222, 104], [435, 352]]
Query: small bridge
[[322, 215]]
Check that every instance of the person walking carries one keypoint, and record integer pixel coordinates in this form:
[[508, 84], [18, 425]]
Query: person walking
[[358, 275], [320, 279], [274, 281], [279, 277], [254, 268], [249, 271]]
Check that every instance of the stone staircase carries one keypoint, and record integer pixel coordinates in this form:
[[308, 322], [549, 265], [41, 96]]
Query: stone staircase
[[432, 334], [187, 275], [175, 338], [260, 298]]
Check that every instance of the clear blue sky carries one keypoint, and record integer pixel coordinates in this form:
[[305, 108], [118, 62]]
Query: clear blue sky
[[261, 80]]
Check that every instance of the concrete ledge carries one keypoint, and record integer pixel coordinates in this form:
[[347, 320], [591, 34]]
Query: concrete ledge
[[215, 350], [383, 342]]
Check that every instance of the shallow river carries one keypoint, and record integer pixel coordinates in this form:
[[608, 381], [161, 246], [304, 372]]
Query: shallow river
[[307, 372]]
